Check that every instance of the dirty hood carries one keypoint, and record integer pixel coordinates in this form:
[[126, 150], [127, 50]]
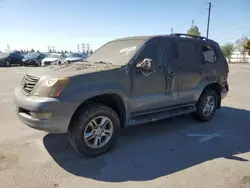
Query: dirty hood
[[71, 69]]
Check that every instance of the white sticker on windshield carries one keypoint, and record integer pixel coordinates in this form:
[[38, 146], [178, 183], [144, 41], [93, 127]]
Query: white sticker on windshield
[[128, 49]]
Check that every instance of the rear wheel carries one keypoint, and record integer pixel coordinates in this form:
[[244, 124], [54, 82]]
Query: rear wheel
[[206, 106], [95, 130]]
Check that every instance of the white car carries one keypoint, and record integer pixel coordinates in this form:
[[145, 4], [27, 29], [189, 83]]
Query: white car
[[53, 58]]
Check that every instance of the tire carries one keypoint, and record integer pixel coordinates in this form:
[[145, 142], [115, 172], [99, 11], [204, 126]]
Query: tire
[[38, 63], [7, 63], [81, 125], [199, 114]]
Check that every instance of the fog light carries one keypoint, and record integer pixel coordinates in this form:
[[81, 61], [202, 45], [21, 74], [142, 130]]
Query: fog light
[[41, 115]]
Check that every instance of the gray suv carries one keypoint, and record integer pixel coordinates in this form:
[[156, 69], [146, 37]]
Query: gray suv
[[126, 82]]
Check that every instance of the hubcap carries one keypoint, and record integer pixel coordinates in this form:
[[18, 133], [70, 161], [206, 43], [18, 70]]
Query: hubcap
[[98, 132], [208, 106]]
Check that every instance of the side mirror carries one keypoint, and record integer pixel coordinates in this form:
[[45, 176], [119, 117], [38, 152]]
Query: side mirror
[[146, 65]]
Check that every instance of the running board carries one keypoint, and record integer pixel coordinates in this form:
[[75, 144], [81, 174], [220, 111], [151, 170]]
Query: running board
[[147, 118]]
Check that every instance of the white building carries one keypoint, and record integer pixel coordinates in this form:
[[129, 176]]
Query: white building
[[237, 57]]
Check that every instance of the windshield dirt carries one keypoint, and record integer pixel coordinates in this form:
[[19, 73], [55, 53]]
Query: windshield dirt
[[117, 52]]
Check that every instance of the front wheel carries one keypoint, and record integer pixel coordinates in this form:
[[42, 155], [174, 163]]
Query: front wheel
[[95, 130], [7, 63], [206, 106], [38, 63]]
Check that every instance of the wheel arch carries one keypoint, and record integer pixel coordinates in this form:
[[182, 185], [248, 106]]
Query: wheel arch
[[217, 88], [111, 100]]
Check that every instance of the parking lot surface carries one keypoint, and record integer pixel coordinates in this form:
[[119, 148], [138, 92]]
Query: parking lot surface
[[178, 152]]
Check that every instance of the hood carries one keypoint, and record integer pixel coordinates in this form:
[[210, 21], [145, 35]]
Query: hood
[[50, 59], [29, 58], [4, 55], [71, 70], [73, 58]]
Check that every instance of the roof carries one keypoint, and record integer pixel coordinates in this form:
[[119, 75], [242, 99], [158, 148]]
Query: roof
[[175, 35]]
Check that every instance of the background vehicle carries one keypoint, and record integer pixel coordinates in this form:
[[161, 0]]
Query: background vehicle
[[74, 57], [127, 81], [33, 58], [11, 58], [53, 58]]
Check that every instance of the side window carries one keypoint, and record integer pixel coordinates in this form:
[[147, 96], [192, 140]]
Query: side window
[[169, 52], [153, 51], [209, 54], [187, 54]]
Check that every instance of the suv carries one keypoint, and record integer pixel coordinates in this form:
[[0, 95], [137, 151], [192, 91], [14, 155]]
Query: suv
[[126, 82], [9, 58]]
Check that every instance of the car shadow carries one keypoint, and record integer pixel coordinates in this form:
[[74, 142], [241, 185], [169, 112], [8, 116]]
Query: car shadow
[[150, 151]]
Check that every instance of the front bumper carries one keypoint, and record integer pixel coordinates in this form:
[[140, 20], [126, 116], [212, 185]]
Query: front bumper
[[57, 123]]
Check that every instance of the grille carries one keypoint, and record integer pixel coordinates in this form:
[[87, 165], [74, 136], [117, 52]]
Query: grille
[[28, 83]]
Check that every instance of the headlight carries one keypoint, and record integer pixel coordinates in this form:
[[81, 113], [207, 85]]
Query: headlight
[[50, 87]]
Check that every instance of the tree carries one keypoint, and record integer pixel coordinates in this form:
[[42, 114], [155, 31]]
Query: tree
[[65, 51], [91, 52], [32, 50], [247, 46], [194, 30], [50, 51], [38, 51], [227, 50]]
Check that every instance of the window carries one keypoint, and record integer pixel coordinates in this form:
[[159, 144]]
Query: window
[[187, 54], [153, 51], [208, 54]]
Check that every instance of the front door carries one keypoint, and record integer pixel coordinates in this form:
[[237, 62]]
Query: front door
[[149, 91]]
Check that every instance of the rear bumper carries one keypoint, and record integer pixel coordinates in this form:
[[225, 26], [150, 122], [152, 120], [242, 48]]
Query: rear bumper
[[57, 123]]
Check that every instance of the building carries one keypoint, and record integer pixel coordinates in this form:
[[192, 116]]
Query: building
[[238, 57]]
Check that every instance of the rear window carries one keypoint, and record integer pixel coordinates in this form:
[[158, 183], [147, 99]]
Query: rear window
[[209, 54]]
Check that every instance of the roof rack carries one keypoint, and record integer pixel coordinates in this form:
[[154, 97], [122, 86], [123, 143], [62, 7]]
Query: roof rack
[[187, 35]]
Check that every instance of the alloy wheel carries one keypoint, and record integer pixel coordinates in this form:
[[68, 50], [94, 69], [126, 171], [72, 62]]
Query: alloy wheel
[[98, 132]]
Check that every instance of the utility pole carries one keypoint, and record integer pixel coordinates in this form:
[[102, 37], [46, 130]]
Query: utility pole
[[208, 20]]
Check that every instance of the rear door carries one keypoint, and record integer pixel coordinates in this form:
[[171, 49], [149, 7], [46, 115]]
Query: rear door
[[188, 71]]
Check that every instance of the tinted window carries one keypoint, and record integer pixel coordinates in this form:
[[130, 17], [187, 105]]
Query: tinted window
[[153, 51], [208, 54], [168, 52], [187, 54]]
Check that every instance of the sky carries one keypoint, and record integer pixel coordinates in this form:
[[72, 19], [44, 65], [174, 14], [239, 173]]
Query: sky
[[37, 24]]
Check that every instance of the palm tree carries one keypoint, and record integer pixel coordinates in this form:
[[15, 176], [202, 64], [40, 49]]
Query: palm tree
[[227, 50]]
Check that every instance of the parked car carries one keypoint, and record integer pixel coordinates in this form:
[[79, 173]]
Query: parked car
[[33, 58], [126, 82], [53, 58], [10, 58], [74, 57]]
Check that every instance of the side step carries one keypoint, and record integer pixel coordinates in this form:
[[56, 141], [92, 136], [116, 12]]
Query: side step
[[147, 118]]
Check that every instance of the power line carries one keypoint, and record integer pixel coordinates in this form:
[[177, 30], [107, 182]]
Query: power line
[[208, 20]]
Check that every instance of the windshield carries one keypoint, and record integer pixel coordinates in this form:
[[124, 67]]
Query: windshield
[[54, 55], [74, 55], [31, 55], [117, 52]]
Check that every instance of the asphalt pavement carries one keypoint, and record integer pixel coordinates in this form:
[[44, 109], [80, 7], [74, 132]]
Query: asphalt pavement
[[178, 152]]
